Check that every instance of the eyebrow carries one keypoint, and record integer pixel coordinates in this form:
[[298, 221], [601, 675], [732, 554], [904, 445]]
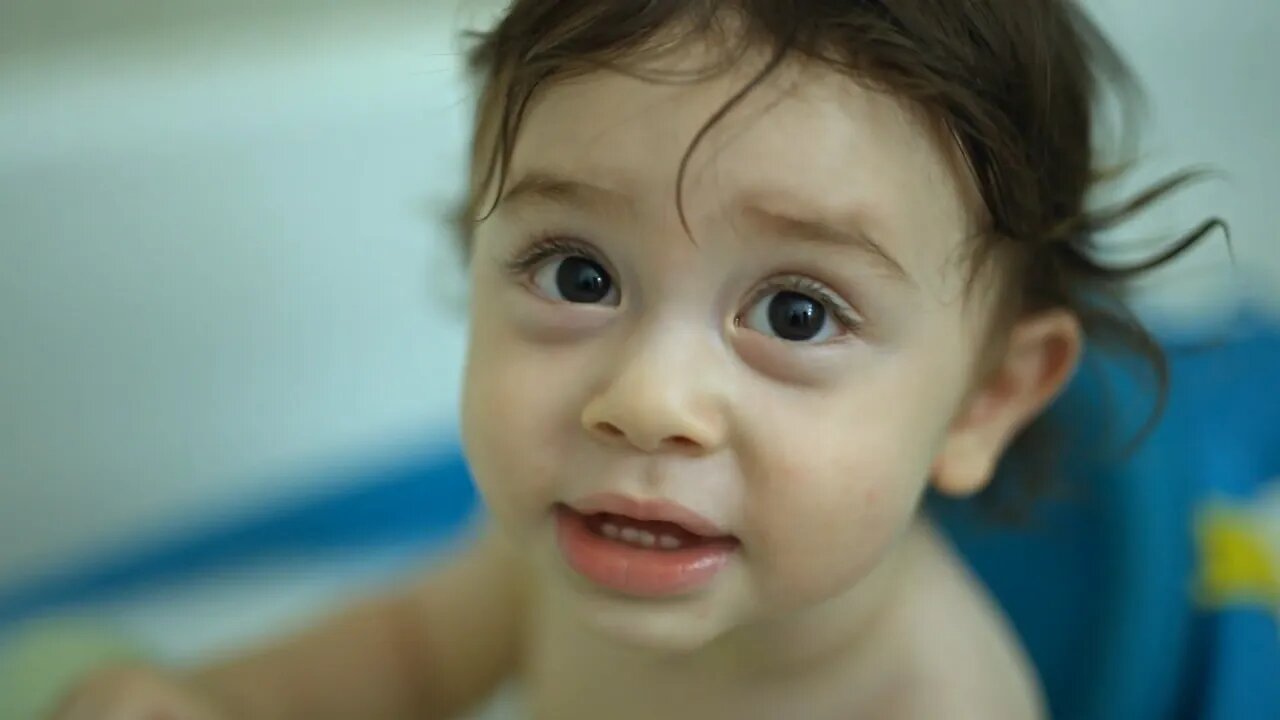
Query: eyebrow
[[541, 186], [822, 232]]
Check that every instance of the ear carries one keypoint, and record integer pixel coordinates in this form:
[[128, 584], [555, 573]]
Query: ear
[[1040, 356]]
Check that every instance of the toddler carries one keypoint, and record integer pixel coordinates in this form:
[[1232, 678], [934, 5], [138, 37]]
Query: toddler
[[748, 279]]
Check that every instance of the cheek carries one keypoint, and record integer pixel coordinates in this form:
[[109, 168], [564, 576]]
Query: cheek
[[836, 520], [515, 421], [830, 496]]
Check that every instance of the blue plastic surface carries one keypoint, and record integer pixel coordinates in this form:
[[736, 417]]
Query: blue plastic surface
[[1100, 585], [418, 500]]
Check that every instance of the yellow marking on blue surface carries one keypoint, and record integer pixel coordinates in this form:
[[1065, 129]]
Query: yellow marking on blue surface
[[1239, 562]]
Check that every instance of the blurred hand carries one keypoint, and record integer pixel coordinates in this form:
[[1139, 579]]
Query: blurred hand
[[136, 693]]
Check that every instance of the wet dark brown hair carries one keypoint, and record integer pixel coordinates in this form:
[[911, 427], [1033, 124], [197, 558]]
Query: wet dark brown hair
[[1016, 84]]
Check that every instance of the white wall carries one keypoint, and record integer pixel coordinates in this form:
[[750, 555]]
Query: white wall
[[1209, 70], [221, 262]]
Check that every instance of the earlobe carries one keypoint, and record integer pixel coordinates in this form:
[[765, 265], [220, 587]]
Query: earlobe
[[964, 466], [1040, 356]]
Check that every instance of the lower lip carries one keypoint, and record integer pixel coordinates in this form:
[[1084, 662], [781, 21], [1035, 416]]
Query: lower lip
[[638, 571]]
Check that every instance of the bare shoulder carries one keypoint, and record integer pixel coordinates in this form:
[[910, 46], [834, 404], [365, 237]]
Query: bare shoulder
[[962, 658], [486, 570], [471, 614]]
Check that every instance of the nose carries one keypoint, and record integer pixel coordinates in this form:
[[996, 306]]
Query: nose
[[662, 395]]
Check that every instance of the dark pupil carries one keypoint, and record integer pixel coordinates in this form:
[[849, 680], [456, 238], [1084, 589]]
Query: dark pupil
[[796, 317], [580, 280]]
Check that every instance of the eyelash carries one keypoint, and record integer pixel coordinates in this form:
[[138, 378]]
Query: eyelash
[[545, 247], [814, 289]]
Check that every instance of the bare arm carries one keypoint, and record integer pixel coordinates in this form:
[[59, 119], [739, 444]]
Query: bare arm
[[428, 650]]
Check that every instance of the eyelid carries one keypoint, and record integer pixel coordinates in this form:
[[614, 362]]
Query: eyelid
[[842, 311], [545, 247]]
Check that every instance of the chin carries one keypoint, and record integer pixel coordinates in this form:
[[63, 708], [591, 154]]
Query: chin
[[669, 629], [677, 626]]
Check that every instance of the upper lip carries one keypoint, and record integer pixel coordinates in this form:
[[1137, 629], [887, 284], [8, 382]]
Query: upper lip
[[650, 511]]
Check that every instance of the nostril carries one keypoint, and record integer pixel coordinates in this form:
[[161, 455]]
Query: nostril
[[683, 443], [679, 443], [609, 430]]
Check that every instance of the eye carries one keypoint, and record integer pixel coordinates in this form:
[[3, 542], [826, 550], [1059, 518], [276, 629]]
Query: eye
[[575, 279], [801, 311]]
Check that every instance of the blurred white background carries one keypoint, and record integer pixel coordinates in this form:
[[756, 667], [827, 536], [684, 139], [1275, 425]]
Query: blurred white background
[[224, 265]]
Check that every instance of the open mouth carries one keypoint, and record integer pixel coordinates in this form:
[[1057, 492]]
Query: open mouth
[[641, 558], [642, 533]]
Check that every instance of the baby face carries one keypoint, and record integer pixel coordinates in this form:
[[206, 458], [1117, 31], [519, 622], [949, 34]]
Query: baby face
[[695, 428]]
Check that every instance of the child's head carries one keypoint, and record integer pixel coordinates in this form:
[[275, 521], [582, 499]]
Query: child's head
[[783, 263]]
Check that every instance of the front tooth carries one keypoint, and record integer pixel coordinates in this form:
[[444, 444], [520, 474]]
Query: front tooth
[[647, 539], [630, 534], [668, 542], [610, 530]]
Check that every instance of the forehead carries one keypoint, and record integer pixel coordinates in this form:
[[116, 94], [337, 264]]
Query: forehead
[[806, 141]]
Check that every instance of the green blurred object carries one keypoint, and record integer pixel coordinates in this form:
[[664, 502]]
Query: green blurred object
[[40, 660]]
